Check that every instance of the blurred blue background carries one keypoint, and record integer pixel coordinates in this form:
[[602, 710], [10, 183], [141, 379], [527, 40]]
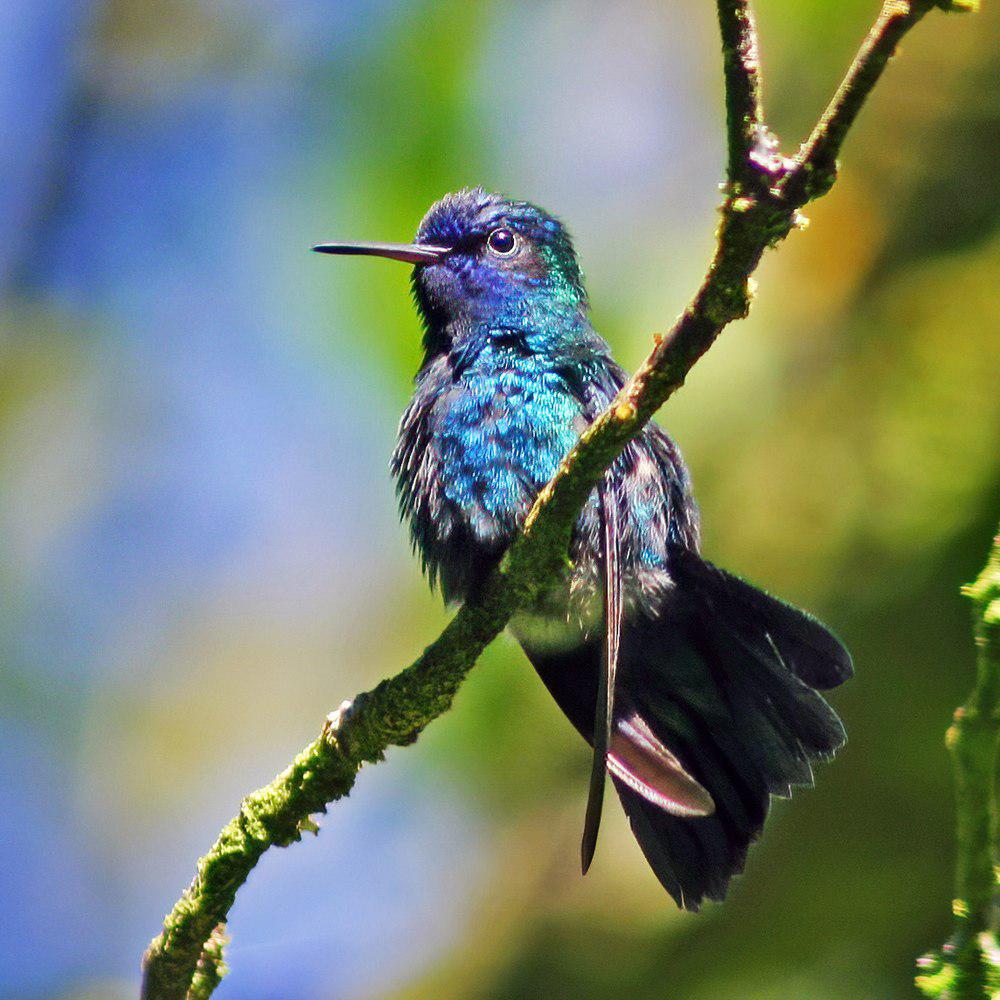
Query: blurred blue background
[[199, 552]]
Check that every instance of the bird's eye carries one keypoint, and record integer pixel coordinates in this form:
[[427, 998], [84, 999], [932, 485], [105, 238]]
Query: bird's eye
[[502, 242]]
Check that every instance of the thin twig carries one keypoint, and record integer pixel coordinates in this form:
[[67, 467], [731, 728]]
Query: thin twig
[[397, 710], [969, 964], [744, 110], [815, 165]]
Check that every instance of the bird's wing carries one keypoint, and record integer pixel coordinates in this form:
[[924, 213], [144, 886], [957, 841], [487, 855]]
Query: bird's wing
[[603, 716]]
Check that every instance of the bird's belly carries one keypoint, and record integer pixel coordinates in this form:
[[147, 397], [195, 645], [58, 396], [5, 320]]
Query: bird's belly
[[571, 611], [551, 632]]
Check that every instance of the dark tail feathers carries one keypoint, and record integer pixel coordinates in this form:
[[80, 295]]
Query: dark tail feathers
[[725, 679]]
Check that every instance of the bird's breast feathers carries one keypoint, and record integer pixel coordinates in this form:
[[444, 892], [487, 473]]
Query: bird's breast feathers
[[475, 450]]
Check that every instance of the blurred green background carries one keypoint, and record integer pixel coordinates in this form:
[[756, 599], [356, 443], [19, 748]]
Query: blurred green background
[[199, 553]]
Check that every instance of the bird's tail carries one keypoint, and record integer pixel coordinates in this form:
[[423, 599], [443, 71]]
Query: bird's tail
[[717, 709]]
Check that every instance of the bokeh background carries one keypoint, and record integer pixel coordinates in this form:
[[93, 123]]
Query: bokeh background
[[199, 552]]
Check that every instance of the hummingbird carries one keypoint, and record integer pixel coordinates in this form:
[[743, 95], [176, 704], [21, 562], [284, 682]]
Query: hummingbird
[[698, 693]]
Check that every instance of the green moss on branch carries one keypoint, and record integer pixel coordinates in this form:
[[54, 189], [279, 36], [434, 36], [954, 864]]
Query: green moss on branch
[[968, 965]]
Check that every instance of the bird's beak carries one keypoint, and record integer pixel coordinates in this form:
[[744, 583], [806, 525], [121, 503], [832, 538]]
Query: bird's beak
[[409, 253]]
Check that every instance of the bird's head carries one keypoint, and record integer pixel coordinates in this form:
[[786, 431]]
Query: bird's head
[[482, 259]]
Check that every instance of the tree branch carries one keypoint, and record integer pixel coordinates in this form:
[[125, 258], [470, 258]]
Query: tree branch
[[815, 167], [969, 964], [759, 210], [745, 127]]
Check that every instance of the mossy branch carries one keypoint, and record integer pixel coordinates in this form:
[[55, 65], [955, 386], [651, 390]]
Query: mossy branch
[[764, 192], [968, 965]]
